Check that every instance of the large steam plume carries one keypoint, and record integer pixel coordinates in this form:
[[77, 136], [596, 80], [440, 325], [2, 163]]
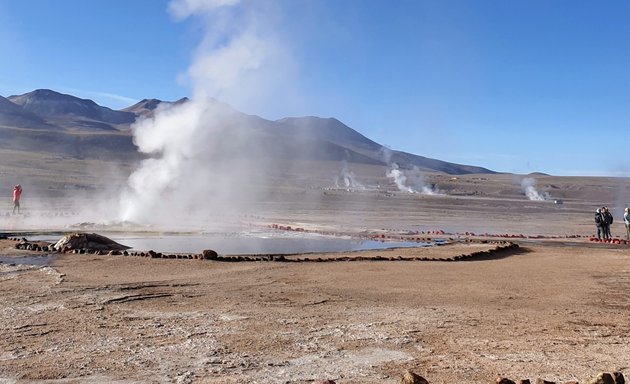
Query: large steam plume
[[528, 185], [399, 178], [197, 168], [413, 182], [416, 179], [200, 159], [348, 178]]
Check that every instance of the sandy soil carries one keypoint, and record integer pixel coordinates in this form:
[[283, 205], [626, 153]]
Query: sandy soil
[[555, 311]]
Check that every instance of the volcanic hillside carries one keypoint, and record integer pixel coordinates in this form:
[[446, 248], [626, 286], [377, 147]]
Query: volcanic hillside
[[45, 121]]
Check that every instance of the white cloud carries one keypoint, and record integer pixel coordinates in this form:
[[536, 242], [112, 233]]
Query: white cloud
[[110, 100], [182, 9]]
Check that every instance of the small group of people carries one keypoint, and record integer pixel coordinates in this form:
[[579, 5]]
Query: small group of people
[[17, 193], [604, 219]]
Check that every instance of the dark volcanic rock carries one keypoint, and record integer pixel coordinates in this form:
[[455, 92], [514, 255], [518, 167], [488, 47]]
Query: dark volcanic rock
[[504, 380], [619, 379], [412, 378], [209, 254], [602, 378]]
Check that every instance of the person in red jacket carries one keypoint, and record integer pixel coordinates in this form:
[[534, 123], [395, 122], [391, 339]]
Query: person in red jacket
[[17, 193]]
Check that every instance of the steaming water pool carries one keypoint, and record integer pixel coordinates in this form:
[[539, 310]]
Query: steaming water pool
[[245, 246], [248, 243]]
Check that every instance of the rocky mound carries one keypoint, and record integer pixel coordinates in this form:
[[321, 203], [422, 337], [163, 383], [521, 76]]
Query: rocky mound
[[87, 241]]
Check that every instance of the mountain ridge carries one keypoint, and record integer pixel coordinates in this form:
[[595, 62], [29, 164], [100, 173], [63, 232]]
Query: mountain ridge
[[146, 107], [47, 103], [72, 119], [12, 114]]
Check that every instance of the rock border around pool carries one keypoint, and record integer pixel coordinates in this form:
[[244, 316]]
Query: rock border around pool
[[501, 249]]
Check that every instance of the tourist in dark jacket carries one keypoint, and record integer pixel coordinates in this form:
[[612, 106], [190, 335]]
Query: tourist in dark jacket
[[608, 220], [599, 223]]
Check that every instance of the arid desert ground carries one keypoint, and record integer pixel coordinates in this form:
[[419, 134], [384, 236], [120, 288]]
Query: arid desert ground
[[556, 308]]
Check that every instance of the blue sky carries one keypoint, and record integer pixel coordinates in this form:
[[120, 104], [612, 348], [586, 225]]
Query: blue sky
[[514, 86]]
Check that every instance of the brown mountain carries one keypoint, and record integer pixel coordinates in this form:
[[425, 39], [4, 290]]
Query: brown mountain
[[71, 112], [13, 115], [45, 121], [332, 130], [148, 107], [48, 121]]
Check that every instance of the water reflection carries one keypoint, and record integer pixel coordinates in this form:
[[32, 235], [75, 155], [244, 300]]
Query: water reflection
[[257, 245], [247, 243]]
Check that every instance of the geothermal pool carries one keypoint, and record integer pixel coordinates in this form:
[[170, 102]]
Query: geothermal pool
[[256, 245], [247, 243]]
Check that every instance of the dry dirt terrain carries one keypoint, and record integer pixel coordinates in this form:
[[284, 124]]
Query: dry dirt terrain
[[555, 308]]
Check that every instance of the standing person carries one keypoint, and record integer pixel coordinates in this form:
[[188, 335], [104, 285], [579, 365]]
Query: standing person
[[17, 193], [626, 220], [599, 223], [608, 220]]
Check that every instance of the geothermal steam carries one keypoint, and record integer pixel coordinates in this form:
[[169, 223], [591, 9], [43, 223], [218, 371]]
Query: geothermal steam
[[528, 185], [416, 179], [399, 178], [197, 168], [201, 160], [412, 183], [348, 178]]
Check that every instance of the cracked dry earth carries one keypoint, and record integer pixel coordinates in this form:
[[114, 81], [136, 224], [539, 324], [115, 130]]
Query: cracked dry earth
[[554, 311]]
